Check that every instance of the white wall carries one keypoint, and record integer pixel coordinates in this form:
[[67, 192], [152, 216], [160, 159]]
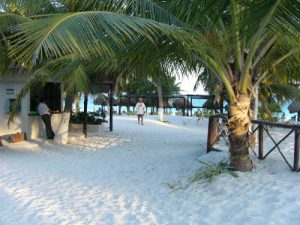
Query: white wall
[[20, 122]]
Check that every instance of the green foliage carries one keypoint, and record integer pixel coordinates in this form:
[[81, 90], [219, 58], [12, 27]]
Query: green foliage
[[146, 85], [210, 172], [198, 113], [92, 118]]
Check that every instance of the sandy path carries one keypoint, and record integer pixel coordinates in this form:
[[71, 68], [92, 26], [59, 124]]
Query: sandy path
[[119, 178]]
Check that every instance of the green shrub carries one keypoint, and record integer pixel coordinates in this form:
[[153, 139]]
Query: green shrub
[[92, 118]]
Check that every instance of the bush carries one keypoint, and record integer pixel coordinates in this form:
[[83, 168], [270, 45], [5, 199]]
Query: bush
[[92, 118]]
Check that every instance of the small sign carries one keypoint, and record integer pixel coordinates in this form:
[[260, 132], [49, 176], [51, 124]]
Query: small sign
[[10, 91]]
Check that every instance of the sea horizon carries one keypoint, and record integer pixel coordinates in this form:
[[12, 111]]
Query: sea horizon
[[196, 103]]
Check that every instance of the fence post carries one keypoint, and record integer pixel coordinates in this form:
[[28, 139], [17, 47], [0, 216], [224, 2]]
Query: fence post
[[296, 150], [213, 133], [260, 141]]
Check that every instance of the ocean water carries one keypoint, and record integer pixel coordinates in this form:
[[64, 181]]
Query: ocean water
[[195, 102]]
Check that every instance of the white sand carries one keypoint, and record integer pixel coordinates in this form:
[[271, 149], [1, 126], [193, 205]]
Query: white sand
[[122, 178]]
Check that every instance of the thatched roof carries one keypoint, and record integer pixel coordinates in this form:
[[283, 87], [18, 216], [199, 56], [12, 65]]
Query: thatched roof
[[294, 107], [127, 101], [212, 103], [101, 100], [181, 103]]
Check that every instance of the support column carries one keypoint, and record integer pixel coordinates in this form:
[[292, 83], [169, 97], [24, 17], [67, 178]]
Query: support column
[[297, 150], [110, 108]]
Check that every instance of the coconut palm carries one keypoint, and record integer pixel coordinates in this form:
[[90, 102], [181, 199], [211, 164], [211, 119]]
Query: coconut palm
[[242, 39]]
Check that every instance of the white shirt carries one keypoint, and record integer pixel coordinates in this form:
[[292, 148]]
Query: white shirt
[[43, 109], [140, 106]]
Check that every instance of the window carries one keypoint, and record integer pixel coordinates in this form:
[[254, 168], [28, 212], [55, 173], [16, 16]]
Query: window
[[8, 105], [52, 94]]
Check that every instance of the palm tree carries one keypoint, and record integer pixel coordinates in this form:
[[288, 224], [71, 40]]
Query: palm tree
[[102, 34], [233, 38], [241, 37]]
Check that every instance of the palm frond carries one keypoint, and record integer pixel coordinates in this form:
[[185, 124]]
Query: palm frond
[[28, 8], [84, 33], [140, 8], [287, 91], [8, 21], [77, 81]]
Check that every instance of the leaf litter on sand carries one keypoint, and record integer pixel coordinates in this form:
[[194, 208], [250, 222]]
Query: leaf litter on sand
[[207, 174]]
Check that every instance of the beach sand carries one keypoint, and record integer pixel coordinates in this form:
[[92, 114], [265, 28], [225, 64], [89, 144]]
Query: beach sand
[[129, 177]]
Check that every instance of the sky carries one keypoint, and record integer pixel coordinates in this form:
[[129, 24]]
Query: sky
[[187, 85]]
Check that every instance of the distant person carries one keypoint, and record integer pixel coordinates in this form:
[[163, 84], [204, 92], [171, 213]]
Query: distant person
[[283, 117], [140, 111], [45, 113]]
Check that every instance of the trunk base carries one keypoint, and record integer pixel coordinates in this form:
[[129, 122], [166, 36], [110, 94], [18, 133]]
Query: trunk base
[[242, 164]]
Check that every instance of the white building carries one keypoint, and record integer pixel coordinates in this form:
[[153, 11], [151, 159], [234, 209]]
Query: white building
[[27, 119]]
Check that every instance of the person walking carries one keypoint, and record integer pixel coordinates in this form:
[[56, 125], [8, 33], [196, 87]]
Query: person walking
[[140, 111], [45, 113]]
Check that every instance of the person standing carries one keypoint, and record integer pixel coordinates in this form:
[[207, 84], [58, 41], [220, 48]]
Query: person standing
[[140, 111], [45, 113]]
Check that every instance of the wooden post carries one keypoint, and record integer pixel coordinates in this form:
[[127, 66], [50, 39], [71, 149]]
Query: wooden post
[[221, 106], [208, 147], [191, 106], [110, 108], [297, 150], [120, 100], [184, 106], [213, 133], [85, 105], [260, 141]]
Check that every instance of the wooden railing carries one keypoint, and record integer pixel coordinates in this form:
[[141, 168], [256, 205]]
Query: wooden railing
[[217, 130]]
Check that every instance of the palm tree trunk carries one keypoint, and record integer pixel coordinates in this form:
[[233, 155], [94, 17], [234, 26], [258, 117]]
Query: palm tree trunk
[[69, 102], [256, 102], [160, 99], [77, 103], [239, 123]]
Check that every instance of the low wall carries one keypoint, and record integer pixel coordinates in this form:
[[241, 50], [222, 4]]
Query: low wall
[[90, 127], [34, 127], [59, 122]]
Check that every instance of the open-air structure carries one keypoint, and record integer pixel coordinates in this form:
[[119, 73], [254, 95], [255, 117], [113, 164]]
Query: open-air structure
[[27, 119], [182, 102]]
